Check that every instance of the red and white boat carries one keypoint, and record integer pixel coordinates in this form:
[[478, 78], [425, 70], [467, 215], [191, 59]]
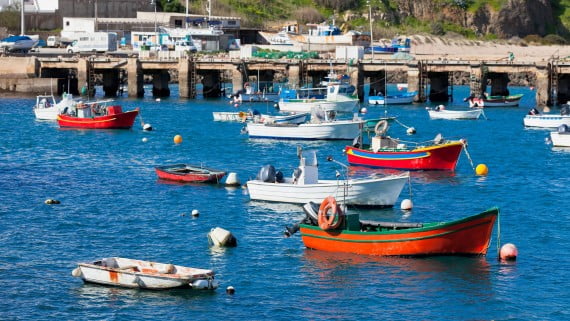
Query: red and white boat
[[97, 116], [387, 152], [189, 174]]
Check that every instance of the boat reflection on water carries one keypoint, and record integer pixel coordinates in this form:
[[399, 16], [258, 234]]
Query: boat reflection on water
[[446, 177], [561, 149], [406, 273], [97, 295]]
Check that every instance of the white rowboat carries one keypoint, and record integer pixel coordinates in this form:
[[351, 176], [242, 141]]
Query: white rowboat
[[132, 273], [455, 114]]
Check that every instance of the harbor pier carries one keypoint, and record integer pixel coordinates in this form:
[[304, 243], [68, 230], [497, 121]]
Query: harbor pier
[[432, 79]]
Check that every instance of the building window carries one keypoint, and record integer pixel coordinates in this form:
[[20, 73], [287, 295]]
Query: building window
[[67, 23], [178, 23], [231, 23]]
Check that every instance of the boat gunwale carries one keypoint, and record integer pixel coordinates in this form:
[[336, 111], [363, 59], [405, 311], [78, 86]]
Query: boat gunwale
[[431, 226]]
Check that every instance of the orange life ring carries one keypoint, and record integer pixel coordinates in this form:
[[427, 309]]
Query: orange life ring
[[327, 222]]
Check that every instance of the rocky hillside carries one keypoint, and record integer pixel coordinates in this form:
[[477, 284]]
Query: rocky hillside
[[505, 19], [489, 19]]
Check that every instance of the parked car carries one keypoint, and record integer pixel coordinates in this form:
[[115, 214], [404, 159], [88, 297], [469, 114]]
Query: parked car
[[53, 42]]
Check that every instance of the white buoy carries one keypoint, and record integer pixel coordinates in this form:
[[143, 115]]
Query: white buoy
[[232, 179], [76, 272], [221, 237], [406, 205], [195, 213], [411, 131], [144, 140], [363, 110], [157, 99], [147, 127], [230, 290]]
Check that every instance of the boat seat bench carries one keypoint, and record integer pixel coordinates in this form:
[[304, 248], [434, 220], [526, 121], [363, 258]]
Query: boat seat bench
[[392, 225]]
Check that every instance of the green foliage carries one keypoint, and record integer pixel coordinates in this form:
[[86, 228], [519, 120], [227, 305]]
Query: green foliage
[[475, 5], [467, 33], [562, 11], [171, 6], [552, 39], [10, 19]]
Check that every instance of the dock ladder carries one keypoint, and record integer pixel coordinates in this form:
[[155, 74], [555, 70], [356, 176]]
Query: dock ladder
[[193, 76]]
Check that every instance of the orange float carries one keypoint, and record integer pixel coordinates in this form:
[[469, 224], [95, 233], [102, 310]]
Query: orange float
[[326, 221]]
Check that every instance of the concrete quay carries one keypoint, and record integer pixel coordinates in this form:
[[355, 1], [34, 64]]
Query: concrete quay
[[433, 79]]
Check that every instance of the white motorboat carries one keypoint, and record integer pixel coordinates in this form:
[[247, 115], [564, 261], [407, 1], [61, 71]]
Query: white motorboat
[[46, 107], [259, 118], [535, 119], [561, 138], [281, 38], [305, 186], [340, 97], [322, 125], [440, 112], [232, 116], [401, 99], [132, 273]]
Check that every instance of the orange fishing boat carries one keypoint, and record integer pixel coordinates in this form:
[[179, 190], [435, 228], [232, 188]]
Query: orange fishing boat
[[337, 232]]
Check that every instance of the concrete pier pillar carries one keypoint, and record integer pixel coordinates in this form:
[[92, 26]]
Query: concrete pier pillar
[[294, 76], [542, 87], [476, 86], [378, 84], [83, 70], [135, 78], [185, 85], [499, 83], [160, 81], [357, 80], [212, 84], [111, 82], [414, 80], [237, 80], [439, 86]]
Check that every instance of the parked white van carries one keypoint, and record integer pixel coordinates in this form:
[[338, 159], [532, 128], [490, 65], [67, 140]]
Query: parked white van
[[53, 42], [96, 41], [184, 45]]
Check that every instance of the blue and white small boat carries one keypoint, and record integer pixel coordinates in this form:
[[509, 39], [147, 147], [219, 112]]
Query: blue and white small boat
[[17, 44], [406, 98]]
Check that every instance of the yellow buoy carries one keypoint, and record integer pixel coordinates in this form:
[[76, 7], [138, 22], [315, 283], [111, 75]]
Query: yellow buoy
[[481, 170], [177, 139]]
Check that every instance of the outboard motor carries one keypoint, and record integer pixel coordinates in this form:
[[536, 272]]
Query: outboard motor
[[563, 129], [279, 177], [565, 110], [266, 174], [533, 112]]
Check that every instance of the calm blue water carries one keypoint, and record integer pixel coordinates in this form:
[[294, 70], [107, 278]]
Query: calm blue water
[[113, 205]]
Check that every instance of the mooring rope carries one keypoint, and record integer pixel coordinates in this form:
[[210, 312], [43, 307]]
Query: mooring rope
[[499, 234], [400, 123], [468, 156]]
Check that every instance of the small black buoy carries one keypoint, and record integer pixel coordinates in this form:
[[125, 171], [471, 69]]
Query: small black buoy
[[230, 290], [50, 201]]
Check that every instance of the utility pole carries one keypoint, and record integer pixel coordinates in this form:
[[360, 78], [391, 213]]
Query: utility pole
[[22, 29], [370, 18], [186, 14]]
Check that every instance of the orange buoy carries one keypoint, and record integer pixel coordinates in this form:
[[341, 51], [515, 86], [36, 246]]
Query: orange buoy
[[177, 139], [508, 252], [327, 222]]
